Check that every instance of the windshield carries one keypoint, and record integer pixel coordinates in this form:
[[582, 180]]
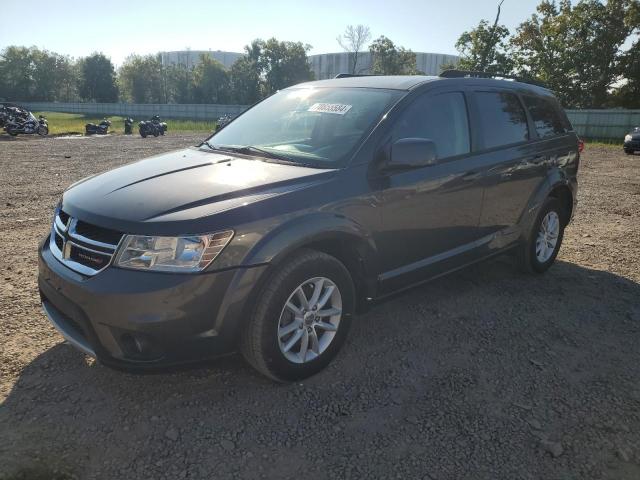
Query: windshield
[[318, 127]]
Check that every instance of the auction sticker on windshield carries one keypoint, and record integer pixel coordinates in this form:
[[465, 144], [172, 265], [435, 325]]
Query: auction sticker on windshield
[[337, 108]]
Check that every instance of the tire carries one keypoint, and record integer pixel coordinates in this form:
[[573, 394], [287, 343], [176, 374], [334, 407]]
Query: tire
[[260, 342], [155, 132], [43, 130], [12, 133], [533, 260], [629, 152], [143, 133]]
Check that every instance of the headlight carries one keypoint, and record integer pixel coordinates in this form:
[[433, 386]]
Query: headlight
[[628, 138], [191, 253]]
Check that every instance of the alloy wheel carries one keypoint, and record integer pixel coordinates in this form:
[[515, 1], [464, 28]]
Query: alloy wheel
[[309, 320], [547, 238]]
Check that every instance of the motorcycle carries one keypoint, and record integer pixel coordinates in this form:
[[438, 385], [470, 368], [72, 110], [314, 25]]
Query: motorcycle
[[101, 129], [154, 127], [3, 116], [223, 121], [23, 121], [128, 126]]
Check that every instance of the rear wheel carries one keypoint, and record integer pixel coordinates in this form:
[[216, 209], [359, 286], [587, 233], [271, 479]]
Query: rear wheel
[[540, 250], [628, 152], [43, 130], [301, 318]]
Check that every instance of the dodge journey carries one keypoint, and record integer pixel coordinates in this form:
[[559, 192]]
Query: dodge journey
[[323, 198]]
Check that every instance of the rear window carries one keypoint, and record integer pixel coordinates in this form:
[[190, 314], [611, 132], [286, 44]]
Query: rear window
[[547, 117], [503, 120]]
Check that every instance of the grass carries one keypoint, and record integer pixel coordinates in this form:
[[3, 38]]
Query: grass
[[68, 123]]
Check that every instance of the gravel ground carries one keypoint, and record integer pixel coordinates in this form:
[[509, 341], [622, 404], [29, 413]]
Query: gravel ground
[[485, 374]]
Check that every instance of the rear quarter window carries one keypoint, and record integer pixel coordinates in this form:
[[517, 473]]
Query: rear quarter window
[[547, 117], [502, 119]]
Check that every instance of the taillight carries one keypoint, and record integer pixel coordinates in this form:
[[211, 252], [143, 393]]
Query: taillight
[[580, 145]]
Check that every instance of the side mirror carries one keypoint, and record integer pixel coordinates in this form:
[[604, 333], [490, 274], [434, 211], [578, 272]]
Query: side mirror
[[412, 153]]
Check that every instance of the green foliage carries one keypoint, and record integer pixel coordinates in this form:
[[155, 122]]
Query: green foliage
[[627, 94], [31, 74], [485, 49], [210, 81], [575, 48], [282, 64], [391, 60], [97, 79], [141, 79]]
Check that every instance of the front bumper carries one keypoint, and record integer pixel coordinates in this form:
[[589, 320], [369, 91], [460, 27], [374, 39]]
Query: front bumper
[[128, 318], [633, 145]]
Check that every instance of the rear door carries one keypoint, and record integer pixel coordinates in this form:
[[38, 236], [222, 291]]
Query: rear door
[[514, 166]]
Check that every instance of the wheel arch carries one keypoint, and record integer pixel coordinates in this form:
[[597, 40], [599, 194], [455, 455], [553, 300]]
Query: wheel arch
[[564, 195], [333, 234]]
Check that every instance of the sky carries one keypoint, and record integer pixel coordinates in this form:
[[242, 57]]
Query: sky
[[118, 28]]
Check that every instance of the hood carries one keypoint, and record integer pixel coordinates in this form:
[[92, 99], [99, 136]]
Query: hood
[[183, 185]]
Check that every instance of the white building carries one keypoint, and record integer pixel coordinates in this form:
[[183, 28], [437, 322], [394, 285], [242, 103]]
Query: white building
[[190, 58], [328, 65], [324, 65]]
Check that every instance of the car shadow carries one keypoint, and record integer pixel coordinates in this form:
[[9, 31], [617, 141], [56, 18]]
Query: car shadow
[[488, 332]]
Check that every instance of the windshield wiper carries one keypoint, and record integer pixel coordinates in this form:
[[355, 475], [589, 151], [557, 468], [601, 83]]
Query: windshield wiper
[[251, 150]]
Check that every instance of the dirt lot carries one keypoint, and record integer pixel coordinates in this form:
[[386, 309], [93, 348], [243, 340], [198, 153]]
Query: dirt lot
[[486, 374]]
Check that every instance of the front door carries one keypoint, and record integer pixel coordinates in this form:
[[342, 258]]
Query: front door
[[430, 214]]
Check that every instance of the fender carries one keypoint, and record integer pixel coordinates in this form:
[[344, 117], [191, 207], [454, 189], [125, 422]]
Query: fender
[[555, 178], [312, 228], [274, 248]]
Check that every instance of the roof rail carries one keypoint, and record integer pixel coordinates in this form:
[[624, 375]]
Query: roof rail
[[349, 75], [474, 74]]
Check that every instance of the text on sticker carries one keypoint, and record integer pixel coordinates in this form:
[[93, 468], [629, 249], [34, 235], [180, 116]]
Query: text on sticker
[[337, 108]]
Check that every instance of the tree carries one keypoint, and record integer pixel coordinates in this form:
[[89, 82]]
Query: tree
[[97, 82], [352, 41], [576, 49], [245, 76], [53, 76], [34, 74], [627, 94], [141, 79], [211, 81], [178, 84], [16, 73], [485, 48], [283, 64], [387, 59]]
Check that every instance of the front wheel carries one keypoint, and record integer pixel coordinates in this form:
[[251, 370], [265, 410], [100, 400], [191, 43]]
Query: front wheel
[[628, 152], [540, 250], [301, 318], [43, 130], [143, 133]]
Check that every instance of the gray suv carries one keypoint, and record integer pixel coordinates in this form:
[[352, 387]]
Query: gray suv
[[323, 198]]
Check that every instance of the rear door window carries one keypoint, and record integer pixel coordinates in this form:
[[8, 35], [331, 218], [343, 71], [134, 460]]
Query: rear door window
[[546, 117], [502, 119], [442, 119]]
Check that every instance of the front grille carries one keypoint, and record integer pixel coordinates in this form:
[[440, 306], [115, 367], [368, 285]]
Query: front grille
[[59, 241], [64, 217], [81, 246], [99, 234]]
